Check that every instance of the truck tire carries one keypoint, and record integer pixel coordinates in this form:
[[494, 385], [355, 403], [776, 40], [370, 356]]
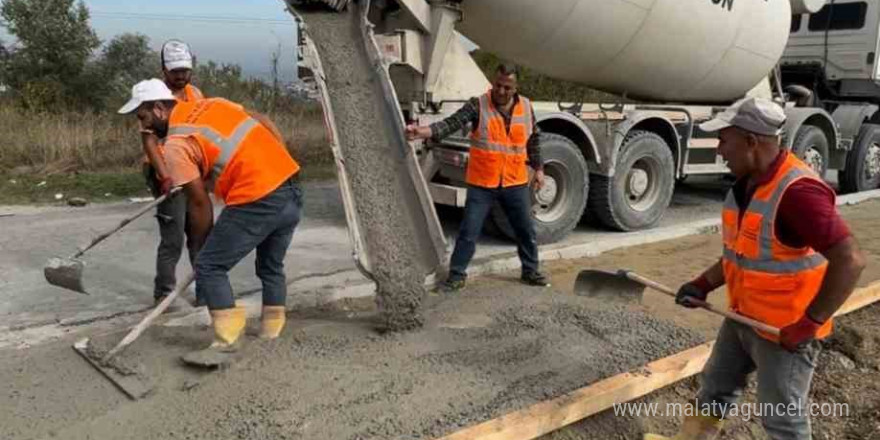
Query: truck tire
[[811, 146], [862, 171], [637, 196], [558, 207]]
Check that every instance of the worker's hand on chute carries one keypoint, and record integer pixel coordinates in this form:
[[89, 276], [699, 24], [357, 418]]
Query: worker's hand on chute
[[796, 336], [415, 132], [688, 291]]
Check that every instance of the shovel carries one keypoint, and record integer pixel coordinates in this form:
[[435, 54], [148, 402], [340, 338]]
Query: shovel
[[629, 287], [67, 272]]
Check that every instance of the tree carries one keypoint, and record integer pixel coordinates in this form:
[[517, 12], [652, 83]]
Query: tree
[[125, 60], [55, 42]]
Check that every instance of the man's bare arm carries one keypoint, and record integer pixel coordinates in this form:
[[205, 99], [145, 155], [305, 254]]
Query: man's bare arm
[[150, 144], [200, 212], [845, 265]]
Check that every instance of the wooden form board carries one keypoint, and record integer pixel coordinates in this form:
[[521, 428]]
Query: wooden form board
[[548, 416]]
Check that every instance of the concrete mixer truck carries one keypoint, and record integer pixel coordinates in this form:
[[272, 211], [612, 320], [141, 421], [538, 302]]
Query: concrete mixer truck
[[678, 62]]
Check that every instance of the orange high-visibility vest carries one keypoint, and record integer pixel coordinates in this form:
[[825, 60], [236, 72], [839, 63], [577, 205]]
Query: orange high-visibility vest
[[192, 93], [498, 157], [241, 155], [767, 280]]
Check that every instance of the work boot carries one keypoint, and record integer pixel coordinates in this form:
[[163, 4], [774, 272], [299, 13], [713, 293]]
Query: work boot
[[272, 322], [451, 285], [694, 428], [535, 279], [228, 327]]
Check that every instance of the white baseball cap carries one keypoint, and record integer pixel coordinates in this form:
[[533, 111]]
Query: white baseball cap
[[176, 55], [146, 91], [757, 115]]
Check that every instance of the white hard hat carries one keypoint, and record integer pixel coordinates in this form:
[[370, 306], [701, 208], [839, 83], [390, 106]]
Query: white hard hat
[[176, 55], [146, 91]]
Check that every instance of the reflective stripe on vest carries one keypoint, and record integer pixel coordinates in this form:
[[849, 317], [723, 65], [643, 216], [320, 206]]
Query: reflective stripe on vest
[[483, 142], [498, 149], [766, 279], [227, 145], [767, 210]]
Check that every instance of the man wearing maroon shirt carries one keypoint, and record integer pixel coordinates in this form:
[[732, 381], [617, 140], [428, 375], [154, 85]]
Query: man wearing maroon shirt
[[789, 260]]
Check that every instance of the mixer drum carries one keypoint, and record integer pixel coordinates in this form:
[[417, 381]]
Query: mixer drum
[[688, 51]]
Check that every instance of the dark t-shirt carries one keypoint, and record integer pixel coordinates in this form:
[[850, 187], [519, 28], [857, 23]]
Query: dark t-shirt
[[806, 215]]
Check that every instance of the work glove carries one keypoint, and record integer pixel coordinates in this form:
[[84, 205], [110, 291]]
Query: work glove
[[690, 290], [796, 336]]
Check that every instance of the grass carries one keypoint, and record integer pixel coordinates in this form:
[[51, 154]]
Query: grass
[[96, 186], [91, 155]]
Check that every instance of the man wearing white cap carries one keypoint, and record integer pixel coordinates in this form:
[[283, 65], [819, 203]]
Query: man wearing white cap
[[215, 143], [177, 64], [788, 260]]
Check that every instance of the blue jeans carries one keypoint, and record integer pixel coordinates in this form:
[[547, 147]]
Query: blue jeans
[[265, 225], [783, 379], [516, 204], [173, 231]]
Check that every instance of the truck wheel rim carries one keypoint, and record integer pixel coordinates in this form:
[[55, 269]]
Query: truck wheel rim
[[872, 162], [814, 159], [548, 202], [642, 189]]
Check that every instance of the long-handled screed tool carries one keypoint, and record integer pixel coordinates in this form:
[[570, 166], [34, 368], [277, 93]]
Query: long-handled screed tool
[[130, 382], [629, 287], [67, 272]]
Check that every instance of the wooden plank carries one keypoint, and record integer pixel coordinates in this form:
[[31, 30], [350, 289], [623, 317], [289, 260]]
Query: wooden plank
[[550, 415], [545, 417], [860, 298]]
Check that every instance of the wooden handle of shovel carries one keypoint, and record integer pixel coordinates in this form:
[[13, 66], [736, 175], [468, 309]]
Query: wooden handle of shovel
[[727, 314], [127, 220], [145, 323]]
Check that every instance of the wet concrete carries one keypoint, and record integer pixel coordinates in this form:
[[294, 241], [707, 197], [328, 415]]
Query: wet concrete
[[496, 347], [386, 200], [330, 375]]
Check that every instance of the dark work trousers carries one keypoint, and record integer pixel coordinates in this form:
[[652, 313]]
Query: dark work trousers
[[516, 203], [173, 230], [266, 225]]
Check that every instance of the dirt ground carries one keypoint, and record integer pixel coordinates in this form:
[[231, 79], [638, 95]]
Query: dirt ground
[[848, 370], [492, 349]]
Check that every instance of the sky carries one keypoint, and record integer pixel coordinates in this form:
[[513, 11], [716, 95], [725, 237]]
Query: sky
[[245, 32]]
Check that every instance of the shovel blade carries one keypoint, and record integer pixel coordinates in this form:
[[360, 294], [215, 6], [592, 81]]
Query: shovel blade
[[608, 286], [65, 273]]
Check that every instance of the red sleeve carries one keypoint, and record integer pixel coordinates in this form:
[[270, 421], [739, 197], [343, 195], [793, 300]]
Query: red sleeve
[[807, 216]]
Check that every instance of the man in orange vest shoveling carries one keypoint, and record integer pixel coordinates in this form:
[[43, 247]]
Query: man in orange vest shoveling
[[504, 138], [788, 260], [215, 142], [177, 64]]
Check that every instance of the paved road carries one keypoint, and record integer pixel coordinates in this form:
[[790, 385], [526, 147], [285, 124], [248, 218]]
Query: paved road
[[119, 271]]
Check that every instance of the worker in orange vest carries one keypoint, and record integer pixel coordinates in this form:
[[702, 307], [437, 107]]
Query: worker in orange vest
[[177, 65], [789, 260], [504, 142], [242, 156]]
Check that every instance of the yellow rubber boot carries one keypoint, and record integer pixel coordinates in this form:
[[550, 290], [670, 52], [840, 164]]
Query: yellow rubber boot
[[272, 322], [228, 326], [693, 428]]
